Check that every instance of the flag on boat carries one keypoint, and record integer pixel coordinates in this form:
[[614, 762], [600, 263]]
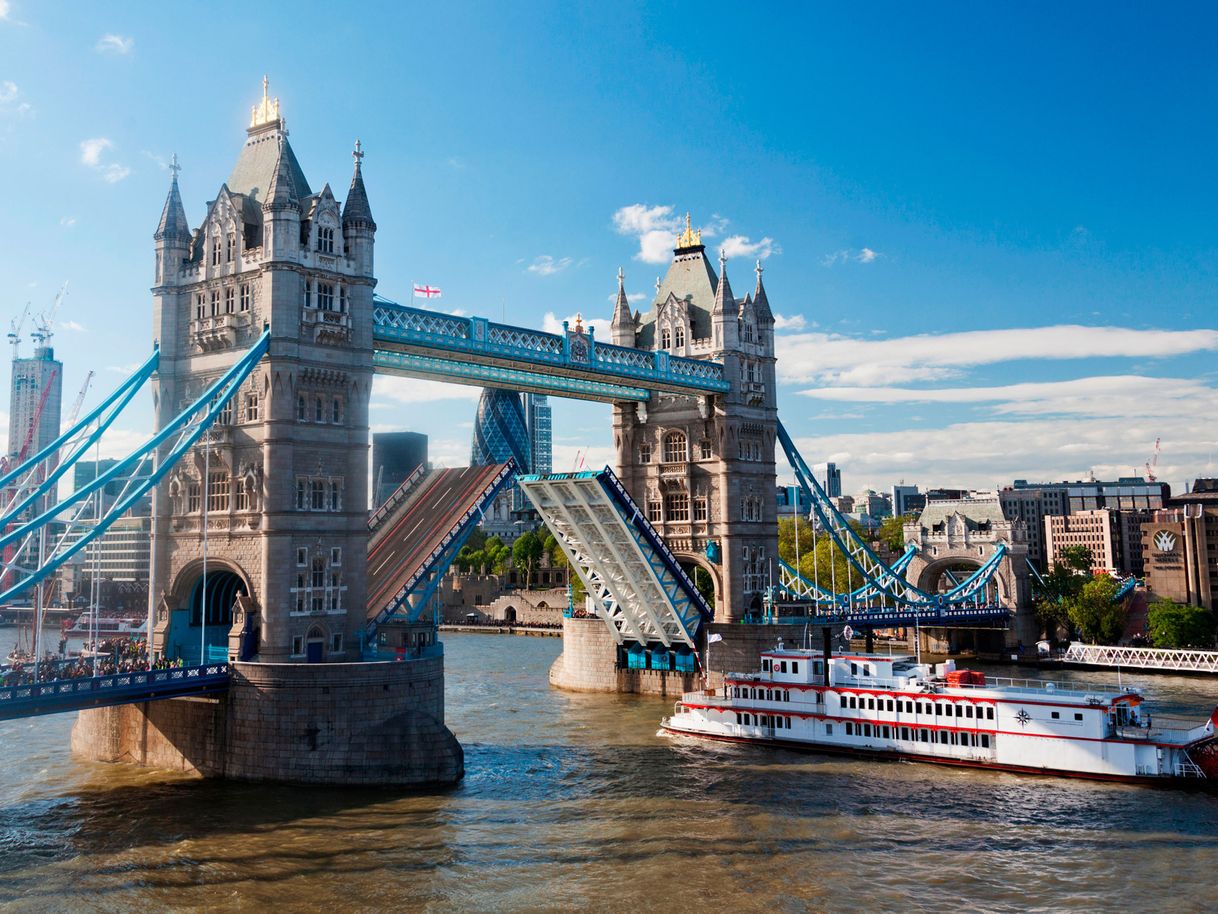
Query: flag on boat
[[713, 638], [426, 291]]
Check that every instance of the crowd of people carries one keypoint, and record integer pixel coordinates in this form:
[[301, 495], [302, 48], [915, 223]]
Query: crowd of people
[[109, 656]]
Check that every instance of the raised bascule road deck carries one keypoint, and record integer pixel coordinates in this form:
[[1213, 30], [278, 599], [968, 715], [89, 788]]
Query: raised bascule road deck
[[419, 530]]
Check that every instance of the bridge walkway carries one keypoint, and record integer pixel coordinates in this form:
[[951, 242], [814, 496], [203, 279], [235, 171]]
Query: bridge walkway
[[20, 699]]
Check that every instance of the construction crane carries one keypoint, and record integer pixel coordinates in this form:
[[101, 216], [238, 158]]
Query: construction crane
[[14, 331], [80, 399], [43, 331], [1153, 463]]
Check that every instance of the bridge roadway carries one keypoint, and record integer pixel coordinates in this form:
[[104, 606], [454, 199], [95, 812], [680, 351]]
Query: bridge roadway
[[408, 537]]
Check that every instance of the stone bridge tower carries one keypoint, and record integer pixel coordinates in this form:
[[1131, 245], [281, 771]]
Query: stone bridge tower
[[287, 488], [704, 468], [958, 536]]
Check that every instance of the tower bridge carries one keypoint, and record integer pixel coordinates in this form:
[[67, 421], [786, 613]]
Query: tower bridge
[[269, 579]]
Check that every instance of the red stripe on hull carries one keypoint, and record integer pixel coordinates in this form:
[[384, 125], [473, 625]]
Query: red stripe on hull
[[894, 756]]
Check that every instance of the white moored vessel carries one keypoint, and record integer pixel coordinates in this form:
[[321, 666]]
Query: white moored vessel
[[893, 707]]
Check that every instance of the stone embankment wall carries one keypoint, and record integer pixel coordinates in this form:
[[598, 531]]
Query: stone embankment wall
[[588, 662], [333, 723]]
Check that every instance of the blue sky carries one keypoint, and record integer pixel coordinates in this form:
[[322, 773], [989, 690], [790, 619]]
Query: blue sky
[[988, 229]]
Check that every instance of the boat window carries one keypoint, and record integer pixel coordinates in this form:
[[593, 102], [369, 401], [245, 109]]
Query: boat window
[[866, 729], [890, 704], [818, 667], [924, 735], [985, 741], [968, 710], [794, 666], [828, 729], [786, 695], [905, 733], [765, 664], [989, 713], [849, 729], [738, 720], [871, 704], [1056, 716], [854, 669], [782, 667], [938, 709], [943, 736], [1078, 716]]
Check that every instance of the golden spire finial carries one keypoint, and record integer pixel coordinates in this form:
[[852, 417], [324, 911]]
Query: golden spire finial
[[268, 110], [689, 238]]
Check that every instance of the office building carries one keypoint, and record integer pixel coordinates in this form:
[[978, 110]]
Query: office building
[[395, 455]]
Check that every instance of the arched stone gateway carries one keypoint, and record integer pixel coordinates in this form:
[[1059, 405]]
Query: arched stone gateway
[[196, 616], [963, 535]]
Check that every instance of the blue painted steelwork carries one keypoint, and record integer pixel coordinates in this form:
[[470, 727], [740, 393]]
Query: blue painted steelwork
[[59, 695], [412, 365], [421, 586], [188, 427], [38, 475], [897, 616], [1125, 589], [802, 588], [688, 605], [885, 582], [473, 348]]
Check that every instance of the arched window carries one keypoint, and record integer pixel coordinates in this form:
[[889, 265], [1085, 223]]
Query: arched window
[[645, 452], [319, 414], [336, 413], [680, 337], [302, 411], [674, 447], [318, 572], [665, 339], [705, 449]]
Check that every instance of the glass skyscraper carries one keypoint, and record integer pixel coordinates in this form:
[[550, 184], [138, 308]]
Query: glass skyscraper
[[501, 431], [537, 415]]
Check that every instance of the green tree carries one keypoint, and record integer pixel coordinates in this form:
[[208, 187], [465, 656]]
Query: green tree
[[1174, 624], [558, 559], [891, 534], [1095, 612], [819, 558], [526, 553], [1062, 585]]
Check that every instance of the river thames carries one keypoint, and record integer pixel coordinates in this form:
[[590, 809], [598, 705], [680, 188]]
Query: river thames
[[573, 803]]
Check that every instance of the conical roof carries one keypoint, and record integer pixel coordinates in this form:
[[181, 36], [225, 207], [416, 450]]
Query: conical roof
[[173, 222], [621, 308], [761, 304], [281, 190], [725, 302], [356, 208]]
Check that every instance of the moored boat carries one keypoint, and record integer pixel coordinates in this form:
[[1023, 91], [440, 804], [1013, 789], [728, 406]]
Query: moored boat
[[106, 625], [894, 707]]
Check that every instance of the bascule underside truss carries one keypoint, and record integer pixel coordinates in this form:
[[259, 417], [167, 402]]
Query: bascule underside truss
[[636, 584]]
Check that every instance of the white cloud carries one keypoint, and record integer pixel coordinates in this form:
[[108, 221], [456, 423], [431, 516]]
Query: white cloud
[[5, 9], [848, 255], [545, 265], [843, 360], [657, 227], [10, 99], [792, 322], [123, 369], [1119, 395], [115, 44], [740, 246], [388, 390], [72, 325], [553, 324], [91, 153], [68, 221], [990, 453]]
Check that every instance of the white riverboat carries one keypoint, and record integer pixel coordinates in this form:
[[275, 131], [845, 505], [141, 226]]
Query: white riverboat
[[107, 626], [894, 707]]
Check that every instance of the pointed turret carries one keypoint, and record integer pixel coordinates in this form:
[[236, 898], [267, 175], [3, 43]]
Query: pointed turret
[[725, 302], [356, 210], [761, 304], [281, 193], [173, 224], [622, 325], [725, 315]]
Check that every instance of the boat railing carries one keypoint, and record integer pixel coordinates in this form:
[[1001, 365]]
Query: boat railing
[[1049, 685]]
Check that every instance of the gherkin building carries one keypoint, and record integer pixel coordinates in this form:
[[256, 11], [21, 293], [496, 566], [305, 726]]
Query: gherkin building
[[500, 431]]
